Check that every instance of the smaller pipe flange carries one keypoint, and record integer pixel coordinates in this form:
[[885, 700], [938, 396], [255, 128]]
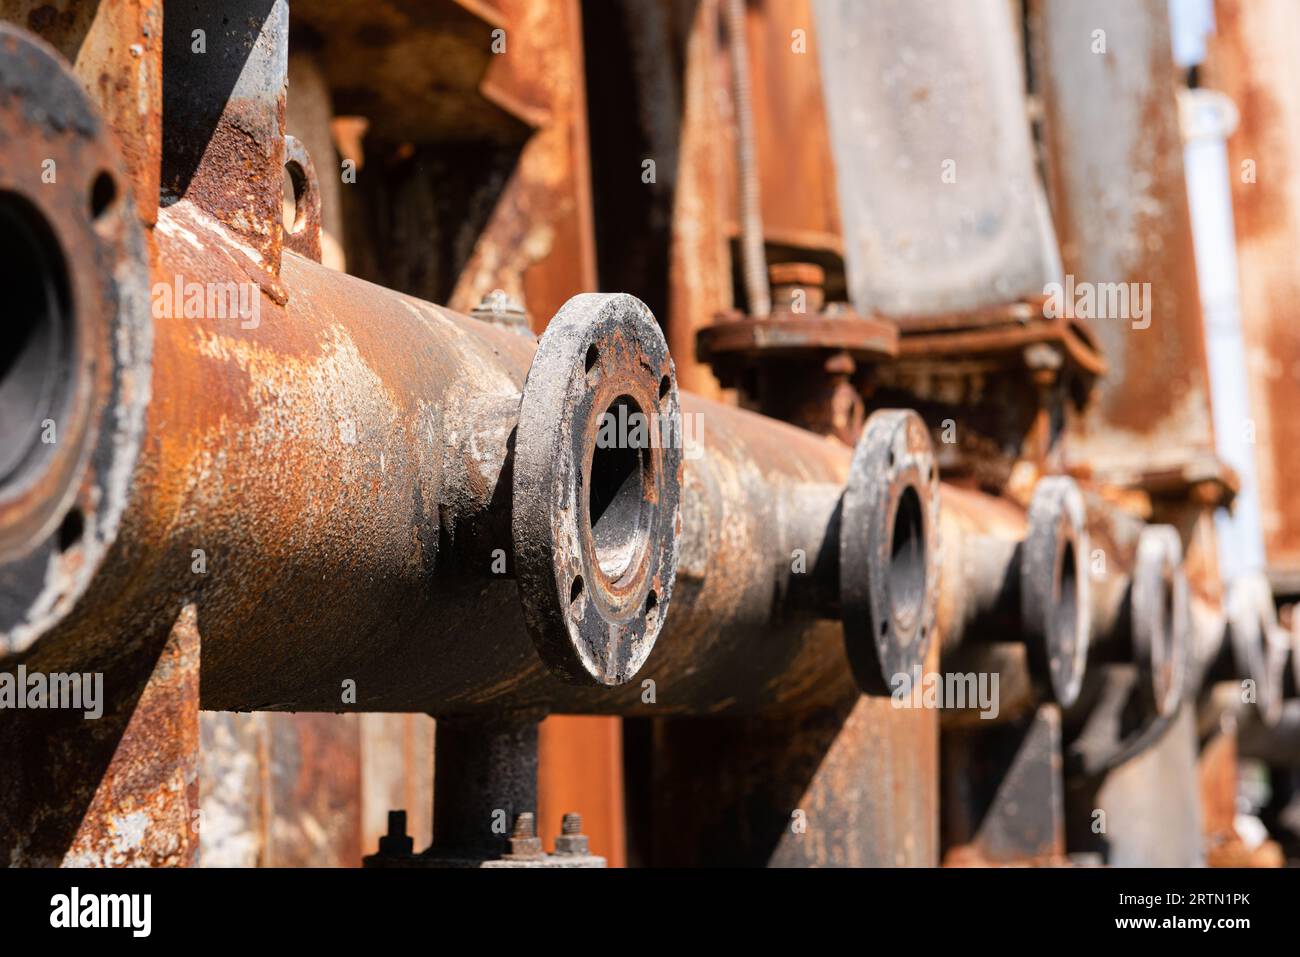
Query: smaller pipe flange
[[1161, 617], [889, 550], [1258, 644], [1054, 587], [597, 484]]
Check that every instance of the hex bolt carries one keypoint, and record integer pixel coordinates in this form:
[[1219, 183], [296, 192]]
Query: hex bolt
[[498, 308], [524, 841], [571, 841], [396, 841]]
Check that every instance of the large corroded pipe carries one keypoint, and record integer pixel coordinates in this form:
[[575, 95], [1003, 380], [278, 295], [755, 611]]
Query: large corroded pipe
[[356, 489], [325, 469], [338, 480]]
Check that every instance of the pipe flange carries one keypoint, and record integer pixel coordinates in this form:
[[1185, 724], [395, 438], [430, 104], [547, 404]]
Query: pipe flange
[[1161, 618], [75, 352], [889, 550], [1258, 642], [597, 483], [1054, 590]]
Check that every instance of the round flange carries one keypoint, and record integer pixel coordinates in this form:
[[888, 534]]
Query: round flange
[[75, 352], [889, 550], [1054, 591], [1161, 617], [597, 484], [1258, 642]]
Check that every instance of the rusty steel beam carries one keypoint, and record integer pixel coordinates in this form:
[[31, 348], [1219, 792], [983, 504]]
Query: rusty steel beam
[[1003, 793], [1114, 156], [1251, 56], [227, 73], [942, 207], [853, 783], [1146, 810]]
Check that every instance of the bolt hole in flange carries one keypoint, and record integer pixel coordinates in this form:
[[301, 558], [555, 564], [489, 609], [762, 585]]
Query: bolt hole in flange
[[37, 348], [595, 495], [71, 529], [293, 200], [1054, 594], [889, 550], [103, 191]]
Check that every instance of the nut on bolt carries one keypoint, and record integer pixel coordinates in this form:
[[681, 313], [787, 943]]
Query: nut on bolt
[[571, 840], [499, 309], [524, 841], [396, 841]]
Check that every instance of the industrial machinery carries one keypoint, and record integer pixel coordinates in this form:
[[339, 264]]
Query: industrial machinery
[[585, 433]]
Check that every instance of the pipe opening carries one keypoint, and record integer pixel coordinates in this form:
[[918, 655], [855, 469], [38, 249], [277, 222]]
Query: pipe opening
[[907, 561], [36, 350], [618, 507], [1065, 609]]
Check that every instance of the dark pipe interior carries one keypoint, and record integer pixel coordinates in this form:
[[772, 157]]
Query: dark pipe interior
[[907, 561], [36, 347], [617, 492]]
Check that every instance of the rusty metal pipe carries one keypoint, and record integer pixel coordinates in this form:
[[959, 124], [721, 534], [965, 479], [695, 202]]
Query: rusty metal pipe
[[1020, 576], [317, 444], [763, 577], [1142, 616], [295, 441]]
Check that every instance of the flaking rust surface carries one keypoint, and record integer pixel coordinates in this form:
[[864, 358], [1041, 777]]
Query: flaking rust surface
[[157, 757], [1115, 163], [1252, 57]]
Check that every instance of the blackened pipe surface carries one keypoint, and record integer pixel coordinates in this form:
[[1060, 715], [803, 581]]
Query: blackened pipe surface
[[485, 775]]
